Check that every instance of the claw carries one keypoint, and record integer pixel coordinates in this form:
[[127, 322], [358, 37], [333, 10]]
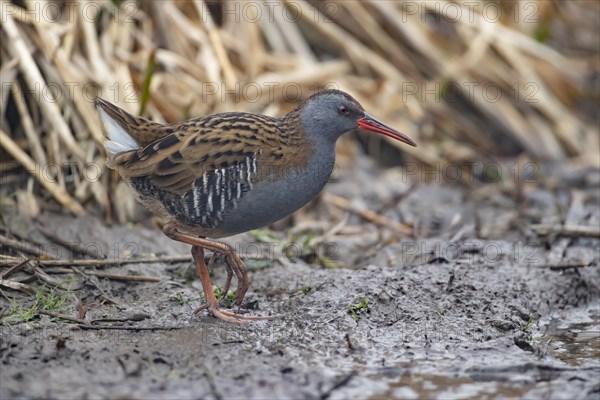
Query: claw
[[230, 316]]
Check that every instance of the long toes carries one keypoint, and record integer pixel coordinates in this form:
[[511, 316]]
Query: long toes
[[247, 317], [201, 308], [231, 316], [225, 316]]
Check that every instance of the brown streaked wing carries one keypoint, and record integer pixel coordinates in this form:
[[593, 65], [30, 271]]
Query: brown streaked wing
[[176, 161]]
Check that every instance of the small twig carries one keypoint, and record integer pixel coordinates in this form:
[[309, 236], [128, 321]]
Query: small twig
[[335, 318], [567, 230], [102, 262], [216, 43], [133, 318], [342, 382], [59, 270], [130, 328], [211, 383], [24, 246], [62, 316], [4, 295], [114, 277], [81, 309], [83, 324], [238, 341], [573, 215], [40, 274], [15, 268], [141, 278], [398, 198], [369, 215], [567, 265], [7, 283], [33, 137], [330, 232], [102, 292]]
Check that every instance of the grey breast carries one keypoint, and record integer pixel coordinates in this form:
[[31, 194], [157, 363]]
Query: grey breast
[[242, 196], [275, 196]]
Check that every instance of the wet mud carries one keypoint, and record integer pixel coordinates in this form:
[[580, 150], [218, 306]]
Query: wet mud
[[477, 305]]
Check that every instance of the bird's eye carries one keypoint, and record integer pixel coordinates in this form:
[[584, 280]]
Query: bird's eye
[[343, 110]]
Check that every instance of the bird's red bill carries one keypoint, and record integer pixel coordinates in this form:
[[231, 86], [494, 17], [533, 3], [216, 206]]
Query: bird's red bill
[[369, 123]]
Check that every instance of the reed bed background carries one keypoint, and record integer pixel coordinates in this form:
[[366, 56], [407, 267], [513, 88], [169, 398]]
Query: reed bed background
[[471, 82]]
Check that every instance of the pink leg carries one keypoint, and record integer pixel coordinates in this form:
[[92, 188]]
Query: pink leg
[[238, 267]]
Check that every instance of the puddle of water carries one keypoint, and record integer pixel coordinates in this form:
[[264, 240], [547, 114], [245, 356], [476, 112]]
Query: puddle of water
[[577, 344], [574, 337], [425, 386]]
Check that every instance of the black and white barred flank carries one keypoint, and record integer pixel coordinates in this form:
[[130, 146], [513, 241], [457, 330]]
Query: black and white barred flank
[[211, 196]]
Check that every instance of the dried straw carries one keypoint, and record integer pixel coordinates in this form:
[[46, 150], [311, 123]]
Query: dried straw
[[400, 61]]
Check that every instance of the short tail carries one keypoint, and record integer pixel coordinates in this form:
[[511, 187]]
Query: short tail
[[117, 124]]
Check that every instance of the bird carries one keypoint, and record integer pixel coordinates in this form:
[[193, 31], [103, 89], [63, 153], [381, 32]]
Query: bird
[[219, 175]]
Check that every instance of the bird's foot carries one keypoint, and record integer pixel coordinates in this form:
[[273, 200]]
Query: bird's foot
[[230, 316]]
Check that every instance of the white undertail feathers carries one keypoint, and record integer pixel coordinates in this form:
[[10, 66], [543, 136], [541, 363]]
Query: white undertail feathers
[[117, 139]]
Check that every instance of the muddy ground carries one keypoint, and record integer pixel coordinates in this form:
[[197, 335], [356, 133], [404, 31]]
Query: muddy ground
[[468, 308]]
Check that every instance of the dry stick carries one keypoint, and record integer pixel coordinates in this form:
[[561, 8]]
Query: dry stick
[[306, 75], [397, 199], [28, 126], [337, 385], [35, 270], [62, 316], [545, 104], [567, 230], [92, 46], [567, 265], [59, 193], [23, 246], [5, 296], [274, 35], [565, 123], [105, 295], [83, 324], [374, 30], [331, 231], [359, 54], [573, 215], [125, 278], [217, 43], [129, 328], [43, 276], [142, 278], [8, 73], [7, 283], [15, 268], [101, 262], [292, 35], [10, 260], [59, 270], [369, 215], [33, 77]]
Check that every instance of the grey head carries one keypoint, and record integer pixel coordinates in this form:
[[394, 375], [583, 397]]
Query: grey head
[[328, 114]]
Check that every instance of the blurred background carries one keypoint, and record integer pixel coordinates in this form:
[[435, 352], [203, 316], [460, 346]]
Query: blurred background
[[473, 82]]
